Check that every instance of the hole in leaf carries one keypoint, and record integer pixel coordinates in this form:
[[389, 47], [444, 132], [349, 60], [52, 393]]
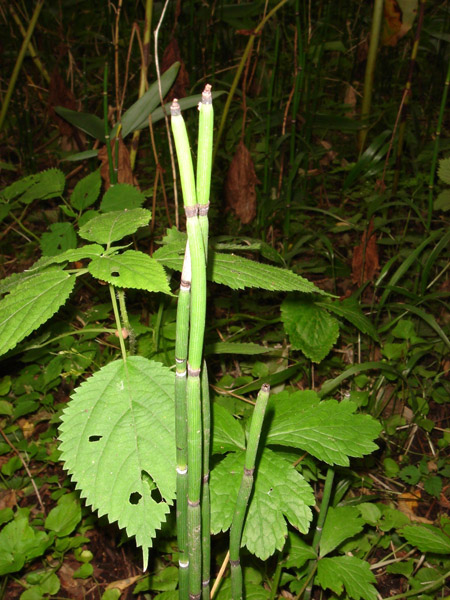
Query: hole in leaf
[[95, 438], [115, 273], [154, 491], [135, 498]]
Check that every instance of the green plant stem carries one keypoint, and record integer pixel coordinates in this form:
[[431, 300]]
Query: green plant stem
[[245, 490], [126, 321], [205, 505], [181, 349], [240, 68], [276, 577], [204, 162], [195, 350], [19, 61], [377, 19], [105, 123], [112, 292], [319, 527], [436, 147]]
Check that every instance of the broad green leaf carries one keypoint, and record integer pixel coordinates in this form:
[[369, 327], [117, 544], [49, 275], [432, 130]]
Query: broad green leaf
[[113, 226], [279, 492], [444, 170], [237, 272], [41, 186], [28, 306], [164, 580], [311, 329], [236, 348], [8, 284], [341, 523], [86, 191], [122, 196], [349, 573], [427, 538], [132, 269], [136, 117], [118, 444], [442, 201], [64, 517], [299, 552], [60, 238], [252, 592], [351, 311], [20, 543], [328, 430], [227, 431], [88, 123]]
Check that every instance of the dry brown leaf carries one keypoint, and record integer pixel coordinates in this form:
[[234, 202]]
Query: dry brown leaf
[[365, 264], [60, 95], [350, 100], [27, 428], [240, 190], [73, 588], [8, 499], [408, 504], [181, 85], [124, 173], [123, 584]]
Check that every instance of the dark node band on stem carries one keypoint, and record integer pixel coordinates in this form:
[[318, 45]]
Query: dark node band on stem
[[193, 372], [203, 210], [249, 472], [191, 211], [235, 563], [193, 503], [206, 477], [206, 94]]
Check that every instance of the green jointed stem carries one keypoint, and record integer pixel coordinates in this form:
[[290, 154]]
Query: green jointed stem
[[112, 292], [204, 160], [245, 491], [181, 346], [205, 504]]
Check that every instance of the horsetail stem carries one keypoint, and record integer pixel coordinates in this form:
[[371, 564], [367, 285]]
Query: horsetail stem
[[245, 490], [197, 242], [181, 348], [205, 505]]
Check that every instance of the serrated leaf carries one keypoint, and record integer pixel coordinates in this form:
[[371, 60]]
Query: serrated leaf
[[132, 269], [299, 552], [113, 226], [239, 273], [12, 281], [351, 311], [341, 523], [444, 170], [442, 201], [117, 442], [86, 192], [40, 186], [328, 430], [310, 328], [347, 572], [60, 238], [279, 492], [427, 538], [28, 306], [122, 196], [227, 431]]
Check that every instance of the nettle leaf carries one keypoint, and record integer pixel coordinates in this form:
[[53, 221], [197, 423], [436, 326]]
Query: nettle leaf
[[341, 523], [347, 572], [237, 272], [86, 192], [41, 186], [122, 196], [8, 284], [227, 431], [444, 170], [60, 238], [113, 226], [310, 328], [279, 492], [132, 269], [28, 306], [117, 442], [328, 430], [427, 538]]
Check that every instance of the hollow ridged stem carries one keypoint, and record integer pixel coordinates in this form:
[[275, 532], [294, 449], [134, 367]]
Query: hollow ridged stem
[[204, 161], [245, 491], [181, 349], [205, 505], [195, 349]]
